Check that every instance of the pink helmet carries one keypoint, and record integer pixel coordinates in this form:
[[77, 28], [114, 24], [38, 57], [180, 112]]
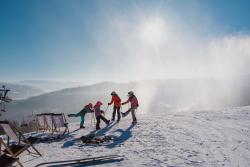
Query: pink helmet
[[98, 103]]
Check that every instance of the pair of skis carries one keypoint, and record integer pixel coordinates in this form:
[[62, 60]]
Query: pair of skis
[[98, 159]]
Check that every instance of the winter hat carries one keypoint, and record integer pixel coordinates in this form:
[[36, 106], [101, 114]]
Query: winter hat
[[98, 103], [90, 105]]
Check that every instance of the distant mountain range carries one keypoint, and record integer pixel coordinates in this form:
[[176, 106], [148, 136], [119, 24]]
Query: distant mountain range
[[153, 96], [19, 91], [49, 86], [29, 88]]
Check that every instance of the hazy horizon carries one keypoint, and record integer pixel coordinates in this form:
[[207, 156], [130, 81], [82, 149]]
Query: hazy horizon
[[128, 81]]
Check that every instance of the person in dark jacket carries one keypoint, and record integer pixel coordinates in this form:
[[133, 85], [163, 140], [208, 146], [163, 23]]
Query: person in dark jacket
[[99, 116], [134, 105], [87, 109], [117, 106]]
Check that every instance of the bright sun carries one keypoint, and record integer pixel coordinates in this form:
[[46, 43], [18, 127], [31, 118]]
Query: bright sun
[[153, 31]]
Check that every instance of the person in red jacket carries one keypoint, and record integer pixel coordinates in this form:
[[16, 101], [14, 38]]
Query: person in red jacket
[[134, 105], [117, 105]]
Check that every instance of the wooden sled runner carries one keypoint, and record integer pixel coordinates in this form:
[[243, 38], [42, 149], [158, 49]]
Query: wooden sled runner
[[82, 161]]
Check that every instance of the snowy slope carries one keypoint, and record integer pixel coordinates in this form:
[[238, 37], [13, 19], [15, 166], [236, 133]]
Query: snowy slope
[[173, 139]]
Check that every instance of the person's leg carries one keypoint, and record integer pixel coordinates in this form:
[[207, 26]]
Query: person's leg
[[104, 119], [98, 122], [126, 113], [133, 115], [114, 111], [82, 121], [72, 115], [118, 113]]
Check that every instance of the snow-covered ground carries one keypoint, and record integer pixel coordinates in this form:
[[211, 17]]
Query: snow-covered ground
[[171, 139]]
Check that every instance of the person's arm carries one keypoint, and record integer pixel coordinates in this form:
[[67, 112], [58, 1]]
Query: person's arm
[[126, 101], [112, 100], [137, 101], [90, 110]]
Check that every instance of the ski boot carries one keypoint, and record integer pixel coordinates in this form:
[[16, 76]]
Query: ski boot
[[124, 114], [134, 122], [70, 115]]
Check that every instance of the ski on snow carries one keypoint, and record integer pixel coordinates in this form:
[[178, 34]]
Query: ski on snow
[[83, 160]]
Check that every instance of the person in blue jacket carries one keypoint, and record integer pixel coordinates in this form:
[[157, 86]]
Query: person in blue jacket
[[87, 109]]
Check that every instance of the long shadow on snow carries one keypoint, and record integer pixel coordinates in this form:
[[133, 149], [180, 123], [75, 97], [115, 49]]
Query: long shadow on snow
[[125, 135], [46, 137], [53, 139], [69, 143], [101, 132]]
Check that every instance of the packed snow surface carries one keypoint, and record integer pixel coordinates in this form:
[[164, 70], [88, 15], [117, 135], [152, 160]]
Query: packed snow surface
[[170, 139]]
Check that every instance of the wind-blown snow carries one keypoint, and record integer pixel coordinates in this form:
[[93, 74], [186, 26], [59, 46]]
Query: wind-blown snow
[[172, 139]]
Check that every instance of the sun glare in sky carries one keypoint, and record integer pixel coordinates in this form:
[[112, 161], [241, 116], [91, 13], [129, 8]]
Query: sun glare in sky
[[153, 31], [82, 40]]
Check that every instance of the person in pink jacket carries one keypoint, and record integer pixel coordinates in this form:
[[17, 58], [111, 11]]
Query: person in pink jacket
[[99, 116], [134, 105]]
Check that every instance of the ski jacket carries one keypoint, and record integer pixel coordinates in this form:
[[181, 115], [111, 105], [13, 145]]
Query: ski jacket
[[116, 100], [84, 111], [133, 102], [98, 110]]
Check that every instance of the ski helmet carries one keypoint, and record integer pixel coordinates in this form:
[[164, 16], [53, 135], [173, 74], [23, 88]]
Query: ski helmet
[[113, 93], [130, 93]]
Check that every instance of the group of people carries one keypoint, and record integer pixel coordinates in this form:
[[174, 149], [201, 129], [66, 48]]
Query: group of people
[[99, 113]]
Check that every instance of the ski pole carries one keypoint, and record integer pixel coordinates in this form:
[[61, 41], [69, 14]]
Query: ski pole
[[92, 118], [121, 109], [106, 110]]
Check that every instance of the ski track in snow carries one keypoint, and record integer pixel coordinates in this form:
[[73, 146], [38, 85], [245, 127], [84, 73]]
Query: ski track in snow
[[171, 139]]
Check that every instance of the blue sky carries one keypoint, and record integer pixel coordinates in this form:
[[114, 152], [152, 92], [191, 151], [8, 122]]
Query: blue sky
[[92, 41]]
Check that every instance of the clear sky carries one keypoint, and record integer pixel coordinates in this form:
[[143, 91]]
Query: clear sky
[[96, 40]]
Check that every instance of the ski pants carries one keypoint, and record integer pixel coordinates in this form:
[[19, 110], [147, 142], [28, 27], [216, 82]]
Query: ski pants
[[132, 110], [98, 121], [82, 118], [116, 109]]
